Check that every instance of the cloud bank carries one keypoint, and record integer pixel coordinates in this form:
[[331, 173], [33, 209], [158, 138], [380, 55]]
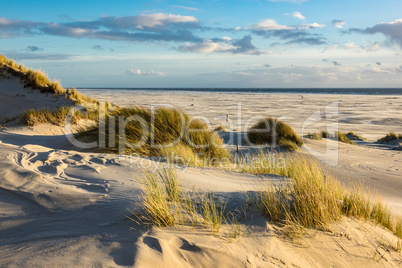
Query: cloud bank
[[392, 30]]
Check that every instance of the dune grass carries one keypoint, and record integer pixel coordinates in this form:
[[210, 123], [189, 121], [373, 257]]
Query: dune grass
[[161, 132], [220, 129], [165, 203], [325, 134], [314, 136], [158, 209], [352, 136], [342, 137], [313, 199], [390, 137], [56, 117], [38, 80], [275, 133], [309, 199]]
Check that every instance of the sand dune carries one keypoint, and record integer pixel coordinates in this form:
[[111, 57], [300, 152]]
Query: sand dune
[[15, 99], [61, 206]]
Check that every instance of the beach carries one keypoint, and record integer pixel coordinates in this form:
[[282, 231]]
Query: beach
[[370, 116], [198, 134], [64, 206]]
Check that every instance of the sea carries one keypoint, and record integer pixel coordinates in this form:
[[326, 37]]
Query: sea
[[353, 91]]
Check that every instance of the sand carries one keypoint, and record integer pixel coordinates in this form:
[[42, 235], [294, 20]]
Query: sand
[[64, 207], [375, 166]]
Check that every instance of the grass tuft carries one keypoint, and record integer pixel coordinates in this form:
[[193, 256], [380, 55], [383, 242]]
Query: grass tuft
[[165, 203], [314, 136], [343, 138], [275, 133], [56, 117], [161, 132], [220, 129], [309, 200], [213, 214], [325, 134], [156, 203], [390, 137]]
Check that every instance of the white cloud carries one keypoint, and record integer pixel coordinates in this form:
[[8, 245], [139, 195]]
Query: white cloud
[[313, 25], [238, 28], [159, 19], [351, 46], [290, 1], [397, 21], [270, 24], [298, 15], [380, 70], [141, 73], [207, 47], [338, 23], [226, 38], [374, 47], [187, 8]]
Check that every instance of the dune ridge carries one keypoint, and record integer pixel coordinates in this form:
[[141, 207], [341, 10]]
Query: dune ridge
[[62, 206]]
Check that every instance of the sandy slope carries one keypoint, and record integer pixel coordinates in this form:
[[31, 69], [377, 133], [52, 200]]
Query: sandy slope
[[60, 206], [15, 99], [68, 208]]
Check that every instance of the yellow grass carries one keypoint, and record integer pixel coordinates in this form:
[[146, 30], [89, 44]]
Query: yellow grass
[[166, 204], [274, 132], [38, 79]]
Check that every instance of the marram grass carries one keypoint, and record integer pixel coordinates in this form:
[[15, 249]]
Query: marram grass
[[310, 199], [161, 132], [56, 117], [38, 80], [314, 200], [165, 203], [274, 132]]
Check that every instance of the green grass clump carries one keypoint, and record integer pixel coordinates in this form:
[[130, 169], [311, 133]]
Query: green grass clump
[[164, 131], [311, 199], [180, 154], [273, 132], [220, 129], [213, 215], [56, 117], [165, 203], [390, 137], [314, 136], [359, 205], [325, 134], [342, 138], [79, 98], [398, 228], [353, 136], [156, 200]]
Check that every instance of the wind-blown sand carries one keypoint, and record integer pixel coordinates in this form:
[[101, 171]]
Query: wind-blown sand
[[372, 116], [60, 206]]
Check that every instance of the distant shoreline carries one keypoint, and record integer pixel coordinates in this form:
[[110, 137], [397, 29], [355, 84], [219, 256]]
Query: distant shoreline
[[348, 91]]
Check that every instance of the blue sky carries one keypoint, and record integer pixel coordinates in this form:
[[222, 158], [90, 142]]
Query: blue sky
[[215, 43]]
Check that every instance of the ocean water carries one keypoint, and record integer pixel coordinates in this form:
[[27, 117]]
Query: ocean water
[[354, 91]]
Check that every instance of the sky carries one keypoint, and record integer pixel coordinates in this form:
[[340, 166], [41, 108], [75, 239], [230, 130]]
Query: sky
[[207, 44]]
